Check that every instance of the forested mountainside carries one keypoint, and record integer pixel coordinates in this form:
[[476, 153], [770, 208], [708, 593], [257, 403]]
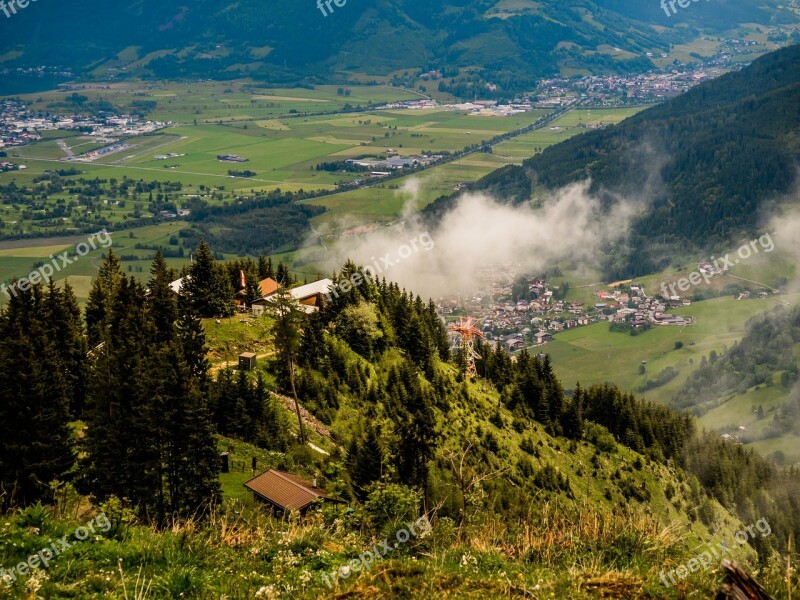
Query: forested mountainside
[[409, 435], [706, 164], [510, 45]]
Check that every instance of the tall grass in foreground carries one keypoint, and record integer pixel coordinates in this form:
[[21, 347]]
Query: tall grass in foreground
[[241, 552]]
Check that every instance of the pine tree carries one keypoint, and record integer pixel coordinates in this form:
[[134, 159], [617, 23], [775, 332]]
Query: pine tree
[[100, 298], [120, 457], [224, 402], [247, 413], [65, 327], [208, 285], [265, 269], [161, 299], [282, 275], [35, 441], [572, 419], [365, 462], [417, 436], [312, 348], [192, 337], [181, 431], [252, 287], [149, 435]]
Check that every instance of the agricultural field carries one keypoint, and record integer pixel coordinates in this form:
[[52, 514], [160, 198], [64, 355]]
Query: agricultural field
[[283, 154], [588, 354], [215, 101], [571, 124], [383, 202], [281, 150], [18, 258]]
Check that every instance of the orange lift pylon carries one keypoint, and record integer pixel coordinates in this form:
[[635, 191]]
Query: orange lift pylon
[[466, 328]]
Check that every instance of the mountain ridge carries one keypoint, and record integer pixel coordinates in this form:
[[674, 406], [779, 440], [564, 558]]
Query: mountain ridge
[[287, 41]]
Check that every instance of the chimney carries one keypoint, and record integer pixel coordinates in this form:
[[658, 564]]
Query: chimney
[[314, 483]]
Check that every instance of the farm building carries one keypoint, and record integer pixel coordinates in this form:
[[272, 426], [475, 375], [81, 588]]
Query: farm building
[[268, 287], [310, 297], [286, 492]]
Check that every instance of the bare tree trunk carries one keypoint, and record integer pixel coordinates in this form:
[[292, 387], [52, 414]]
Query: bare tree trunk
[[296, 403], [739, 585]]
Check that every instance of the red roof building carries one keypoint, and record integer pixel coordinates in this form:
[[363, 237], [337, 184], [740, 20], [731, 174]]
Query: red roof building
[[286, 492]]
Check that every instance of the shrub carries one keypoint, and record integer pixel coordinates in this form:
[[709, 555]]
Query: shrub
[[601, 438]]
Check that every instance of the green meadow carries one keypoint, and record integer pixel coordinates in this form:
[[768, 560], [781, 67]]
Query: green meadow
[[282, 151], [214, 101], [18, 259], [282, 147], [593, 354], [383, 202]]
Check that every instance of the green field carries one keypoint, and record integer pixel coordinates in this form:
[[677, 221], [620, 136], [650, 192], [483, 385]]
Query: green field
[[17, 258], [283, 152], [282, 142], [214, 101], [593, 354], [382, 203], [282, 149]]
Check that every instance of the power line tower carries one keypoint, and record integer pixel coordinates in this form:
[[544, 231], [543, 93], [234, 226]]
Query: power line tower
[[466, 328]]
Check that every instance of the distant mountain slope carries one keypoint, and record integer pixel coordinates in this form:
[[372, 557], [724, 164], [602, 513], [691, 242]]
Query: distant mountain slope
[[766, 350], [285, 40], [751, 390], [707, 162]]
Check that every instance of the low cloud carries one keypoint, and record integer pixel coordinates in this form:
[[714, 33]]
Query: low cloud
[[786, 231], [480, 232]]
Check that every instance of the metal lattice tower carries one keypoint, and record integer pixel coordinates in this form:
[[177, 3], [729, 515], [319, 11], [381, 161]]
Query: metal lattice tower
[[466, 328]]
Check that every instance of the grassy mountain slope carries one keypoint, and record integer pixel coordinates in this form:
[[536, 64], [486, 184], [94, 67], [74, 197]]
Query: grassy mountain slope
[[288, 40], [752, 386], [585, 547], [530, 491]]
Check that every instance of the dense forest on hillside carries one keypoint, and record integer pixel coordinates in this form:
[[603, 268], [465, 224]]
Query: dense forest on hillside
[[131, 375], [706, 164]]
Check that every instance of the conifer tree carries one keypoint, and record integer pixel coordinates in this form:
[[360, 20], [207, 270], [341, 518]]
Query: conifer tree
[[119, 457], [101, 297], [247, 415], [192, 337], [208, 285], [572, 420], [252, 287], [265, 268], [149, 435], [161, 299], [416, 430], [312, 347], [270, 430], [64, 321], [282, 275], [35, 441], [224, 402], [365, 462]]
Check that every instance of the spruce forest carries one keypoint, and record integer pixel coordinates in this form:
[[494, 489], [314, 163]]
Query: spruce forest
[[522, 480]]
